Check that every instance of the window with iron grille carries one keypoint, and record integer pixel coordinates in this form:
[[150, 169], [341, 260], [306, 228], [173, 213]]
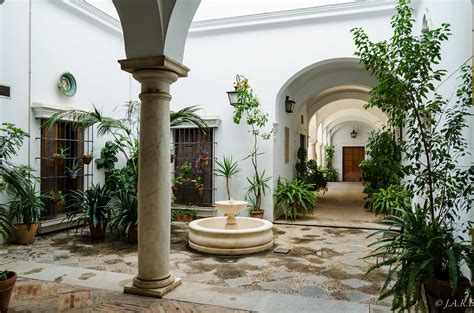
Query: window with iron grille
[[193, 163], [62, 146]]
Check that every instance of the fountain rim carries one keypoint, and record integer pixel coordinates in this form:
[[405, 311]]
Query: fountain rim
[[229, 203], [195, 226]]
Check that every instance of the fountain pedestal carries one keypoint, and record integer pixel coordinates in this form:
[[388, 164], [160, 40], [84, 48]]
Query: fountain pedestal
[[230, 235]]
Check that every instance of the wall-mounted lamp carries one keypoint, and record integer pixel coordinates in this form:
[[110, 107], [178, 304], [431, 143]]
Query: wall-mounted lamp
[[234, 94], [353, 133], [289, 105]]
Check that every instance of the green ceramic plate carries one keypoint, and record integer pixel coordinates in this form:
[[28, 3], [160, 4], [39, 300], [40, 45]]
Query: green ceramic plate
[[67, 84]]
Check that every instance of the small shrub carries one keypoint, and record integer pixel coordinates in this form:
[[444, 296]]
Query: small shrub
[[294, 197], [387, 201]]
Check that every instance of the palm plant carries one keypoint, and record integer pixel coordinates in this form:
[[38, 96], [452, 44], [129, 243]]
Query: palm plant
[[227, 168], [258, 186], [125, 206], [294, 197], [5, 224], [27, 204], [93, 206]]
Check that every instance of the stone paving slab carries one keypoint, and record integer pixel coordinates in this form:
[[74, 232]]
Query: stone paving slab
[[45, 293], [40, 296]]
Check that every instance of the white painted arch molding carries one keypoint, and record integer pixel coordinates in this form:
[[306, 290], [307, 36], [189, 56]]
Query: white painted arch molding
[[155, 27]]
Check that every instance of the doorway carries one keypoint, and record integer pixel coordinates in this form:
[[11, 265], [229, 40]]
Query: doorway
[[351, 158]]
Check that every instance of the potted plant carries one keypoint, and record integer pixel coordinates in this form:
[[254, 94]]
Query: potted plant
[[94, 206], [386, 200], [204, 157], [125, 205], [7, 282], [172, 153], [256, 119], [60, 156], [87, 158], [26, 206], [199, 186], [73, 171], [294, 197], [185, 215], [57, 197], [176, 182], [227, 168], [258, 185], [423, 251]]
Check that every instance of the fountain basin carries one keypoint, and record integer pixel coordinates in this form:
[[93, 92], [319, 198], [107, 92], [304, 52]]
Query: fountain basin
[[213, 235]]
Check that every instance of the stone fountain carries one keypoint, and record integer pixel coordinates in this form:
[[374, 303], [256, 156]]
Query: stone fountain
[[230, 235]]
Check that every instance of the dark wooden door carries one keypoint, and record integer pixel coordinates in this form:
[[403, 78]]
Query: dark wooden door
[[352, 156]]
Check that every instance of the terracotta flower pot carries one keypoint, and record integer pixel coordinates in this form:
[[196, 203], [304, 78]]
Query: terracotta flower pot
[[58, 159], [257, 214], [98, 231], [204, 160], [200, 192], [132, 235], [25, 235], [6, 288], [175, 191], [184, 218], [86, 159], [439, 292]]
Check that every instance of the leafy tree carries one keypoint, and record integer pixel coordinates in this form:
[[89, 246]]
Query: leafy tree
[[426, 246], [250, 106]]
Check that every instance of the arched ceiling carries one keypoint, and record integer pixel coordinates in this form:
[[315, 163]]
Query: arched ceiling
[[345, 104], [326, 81], [155, 27]]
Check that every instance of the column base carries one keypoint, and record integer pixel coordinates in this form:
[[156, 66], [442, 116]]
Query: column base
[[153, 293]]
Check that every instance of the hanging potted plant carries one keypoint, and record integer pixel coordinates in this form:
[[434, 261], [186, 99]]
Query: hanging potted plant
[[87, 158], [176, 183], [73, 171], [57, 197], [94, 205], [7, 282], [199, 187], [204, 157], [424, 251], [60, 156], [172, 153]]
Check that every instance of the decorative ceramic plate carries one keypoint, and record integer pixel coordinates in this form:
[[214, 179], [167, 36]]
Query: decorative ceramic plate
[[67, 84]]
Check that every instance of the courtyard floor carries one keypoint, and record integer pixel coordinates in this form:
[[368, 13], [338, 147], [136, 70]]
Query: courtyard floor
[[323, 263], [342, 205]]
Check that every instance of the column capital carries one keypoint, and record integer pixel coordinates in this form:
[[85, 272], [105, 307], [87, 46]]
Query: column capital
[[160, 62]]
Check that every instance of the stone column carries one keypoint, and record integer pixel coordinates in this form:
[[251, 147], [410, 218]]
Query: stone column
[[323, 154], [318, 153], [312, 148], [155, 76]]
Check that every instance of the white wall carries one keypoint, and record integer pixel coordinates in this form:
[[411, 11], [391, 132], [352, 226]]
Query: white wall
[[62, 40], [268, 49], [342, 138]]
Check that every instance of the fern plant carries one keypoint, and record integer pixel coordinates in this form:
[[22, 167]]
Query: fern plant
[[386, 201], [294, 197]]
